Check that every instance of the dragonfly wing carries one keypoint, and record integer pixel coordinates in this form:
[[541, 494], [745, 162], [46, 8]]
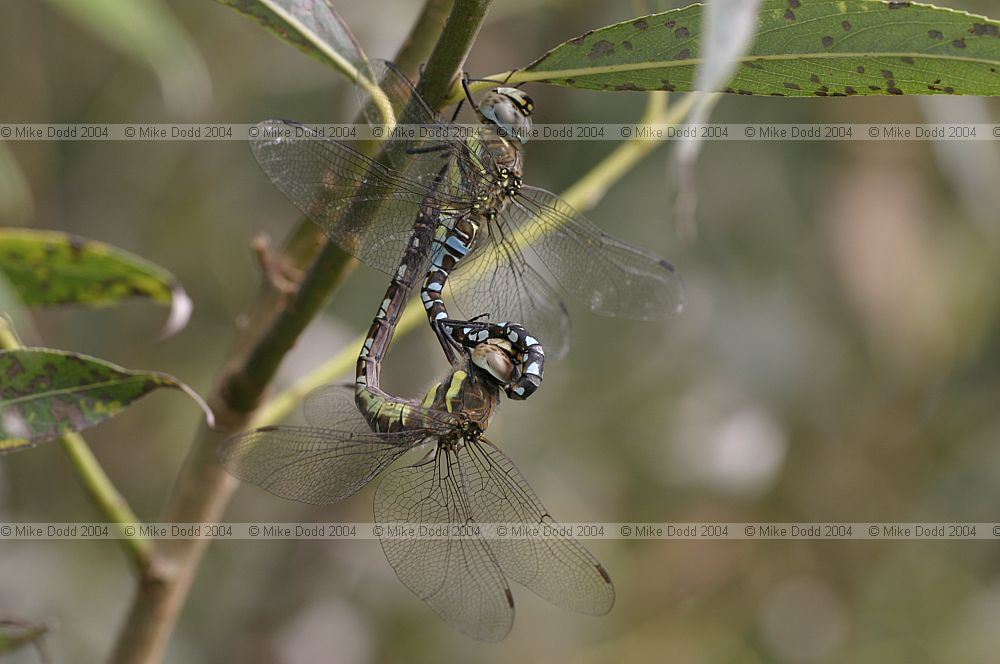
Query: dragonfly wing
[[310, 465], [609, 275], [496, 279], [421, 155], [457, 577], [356, 201], [558, 569], [333, 407]]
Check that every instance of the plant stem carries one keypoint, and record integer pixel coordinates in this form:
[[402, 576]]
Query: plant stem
[[420, 41], [202, 488], [583, 195], [97, 483], [441, 71]]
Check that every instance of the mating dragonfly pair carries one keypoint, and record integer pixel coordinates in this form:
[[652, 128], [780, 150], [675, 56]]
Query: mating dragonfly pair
[[455, 212]]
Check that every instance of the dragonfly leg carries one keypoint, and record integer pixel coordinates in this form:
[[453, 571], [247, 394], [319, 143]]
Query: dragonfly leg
[[437, 147], [451, 346]]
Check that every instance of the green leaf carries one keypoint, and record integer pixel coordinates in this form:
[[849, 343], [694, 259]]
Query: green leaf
[[803, 48], [16, 634], [312, 26], [147, 32], [49, 268], [46, 393]]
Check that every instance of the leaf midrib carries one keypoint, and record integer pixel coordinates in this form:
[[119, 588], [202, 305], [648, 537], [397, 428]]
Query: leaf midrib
[[528, 75], [80, 388]]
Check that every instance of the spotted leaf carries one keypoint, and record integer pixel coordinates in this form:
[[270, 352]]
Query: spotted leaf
[[47, 393], [802, 48], [48, 268]]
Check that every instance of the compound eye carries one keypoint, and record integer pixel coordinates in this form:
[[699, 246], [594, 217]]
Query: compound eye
[[506, 113], [520, 99], [494, 361]]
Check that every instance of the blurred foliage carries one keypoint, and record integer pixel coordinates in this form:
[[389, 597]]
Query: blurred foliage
[[147, 33], [838, 361], [17, 635]]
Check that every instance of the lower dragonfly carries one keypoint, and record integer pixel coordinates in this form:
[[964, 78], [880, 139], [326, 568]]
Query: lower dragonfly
[[464, 480], [355, 433]]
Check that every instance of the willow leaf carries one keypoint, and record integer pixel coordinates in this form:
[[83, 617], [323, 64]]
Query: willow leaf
[[312, 26], [49, 268], [46, 393], [803, 48]]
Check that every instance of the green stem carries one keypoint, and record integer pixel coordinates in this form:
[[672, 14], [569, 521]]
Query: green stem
[[420, 42], [97, 483], [583, 195], [202, 488], [441, 71]]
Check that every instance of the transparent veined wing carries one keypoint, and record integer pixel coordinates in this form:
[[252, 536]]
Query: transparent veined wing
[[314, 465], [419, 157], [360, 204], [333, 407], [498, 280], [611, 276], [558, 569], [459, 578]]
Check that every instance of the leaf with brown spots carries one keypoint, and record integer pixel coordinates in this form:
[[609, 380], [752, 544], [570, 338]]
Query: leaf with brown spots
[[797, 42], [49, 268], [312, 27], [46, 393]]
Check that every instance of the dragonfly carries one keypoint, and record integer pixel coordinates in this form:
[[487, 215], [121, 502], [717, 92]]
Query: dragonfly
[[517, 367], [518, 238], [464, 480]]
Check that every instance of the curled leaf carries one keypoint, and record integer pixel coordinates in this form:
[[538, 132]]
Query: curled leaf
[[46, 393], [729, 32]]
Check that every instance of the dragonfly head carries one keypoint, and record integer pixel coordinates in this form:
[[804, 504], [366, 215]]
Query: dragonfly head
[[510, 110], [494, 357]]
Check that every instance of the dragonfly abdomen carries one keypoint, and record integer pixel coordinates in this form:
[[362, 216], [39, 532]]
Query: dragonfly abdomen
[[383, 411], [451, 244]]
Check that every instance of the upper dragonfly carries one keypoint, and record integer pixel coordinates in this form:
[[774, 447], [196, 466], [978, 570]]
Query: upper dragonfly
[[369, 206]]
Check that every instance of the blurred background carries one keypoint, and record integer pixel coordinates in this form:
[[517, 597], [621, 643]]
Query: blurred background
[[838, 361]]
